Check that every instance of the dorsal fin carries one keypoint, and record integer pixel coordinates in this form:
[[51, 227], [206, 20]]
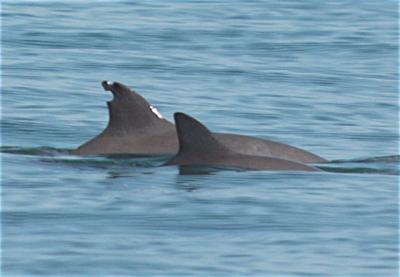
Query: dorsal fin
[[129, 112], [195, 140]]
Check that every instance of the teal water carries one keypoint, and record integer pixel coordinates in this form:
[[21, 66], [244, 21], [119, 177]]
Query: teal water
[[319, 75]]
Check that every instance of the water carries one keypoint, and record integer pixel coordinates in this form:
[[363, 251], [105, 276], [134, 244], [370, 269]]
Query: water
[[319, 75]]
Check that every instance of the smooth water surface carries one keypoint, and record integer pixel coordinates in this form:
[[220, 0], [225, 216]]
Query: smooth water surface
[[320, 75]]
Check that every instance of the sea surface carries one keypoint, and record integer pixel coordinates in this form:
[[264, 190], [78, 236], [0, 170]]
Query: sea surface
[[320, 75]]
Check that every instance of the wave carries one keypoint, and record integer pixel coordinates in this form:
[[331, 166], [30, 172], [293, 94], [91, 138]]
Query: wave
[[57, 155], [34, 151], [379, 159], [388, 165]]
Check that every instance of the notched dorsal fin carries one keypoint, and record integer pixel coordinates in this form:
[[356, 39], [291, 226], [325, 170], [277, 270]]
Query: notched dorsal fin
[[194, 138]]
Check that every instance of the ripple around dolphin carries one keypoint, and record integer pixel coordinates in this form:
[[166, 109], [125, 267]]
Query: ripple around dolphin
[[380, 159], [56, 155], [33, 151], [387, 165]]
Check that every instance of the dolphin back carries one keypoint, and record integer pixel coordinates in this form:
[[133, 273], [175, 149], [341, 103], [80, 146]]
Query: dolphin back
[[198, 146]]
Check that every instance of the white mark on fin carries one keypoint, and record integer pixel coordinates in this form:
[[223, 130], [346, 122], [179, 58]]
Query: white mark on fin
[[110, 83], [156, 112]]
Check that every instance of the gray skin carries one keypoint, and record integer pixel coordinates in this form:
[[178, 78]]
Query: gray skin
[[198, 146], [135, 127]]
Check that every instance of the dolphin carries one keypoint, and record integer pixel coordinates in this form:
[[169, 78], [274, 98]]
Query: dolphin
[[134, 127], [137, 127], [198, 146]]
